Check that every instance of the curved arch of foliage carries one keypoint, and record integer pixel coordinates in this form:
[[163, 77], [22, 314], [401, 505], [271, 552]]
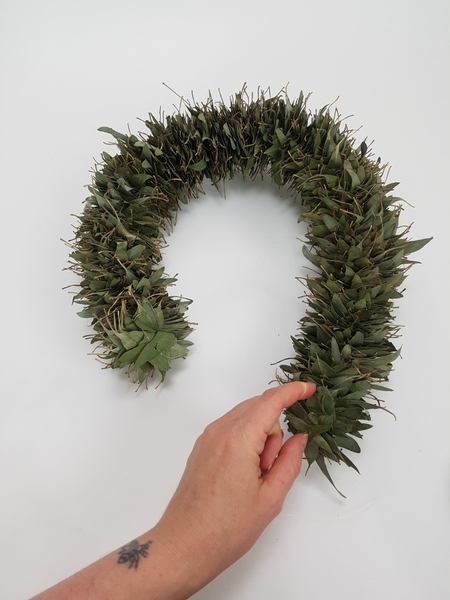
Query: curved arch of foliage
[[353, 242]]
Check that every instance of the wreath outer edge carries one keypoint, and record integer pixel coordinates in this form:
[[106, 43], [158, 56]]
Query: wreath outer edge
[[354, 242]]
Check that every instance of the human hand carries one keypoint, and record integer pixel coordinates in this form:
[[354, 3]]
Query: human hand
[[234, 485]]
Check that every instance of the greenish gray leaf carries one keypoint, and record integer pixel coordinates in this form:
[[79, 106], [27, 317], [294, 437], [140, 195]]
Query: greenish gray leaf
[[130, 339], [330, 223], [121, 251], [177, 351], [135, 252], [114, 133], [130, 356], [148, 352], [199, 166], [357, 339], [311, 257], [335, 352], [311, 452], [149, 317], [323, 467], [347, 442], [416, 245], [280, 135]]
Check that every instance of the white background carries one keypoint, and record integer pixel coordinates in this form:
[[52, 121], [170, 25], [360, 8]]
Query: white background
[[88, 464]]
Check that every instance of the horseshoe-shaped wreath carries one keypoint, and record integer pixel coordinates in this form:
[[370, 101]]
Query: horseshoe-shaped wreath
[[343, 344]]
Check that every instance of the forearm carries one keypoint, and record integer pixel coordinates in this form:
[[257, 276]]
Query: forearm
[[234, 485], [150, 571]]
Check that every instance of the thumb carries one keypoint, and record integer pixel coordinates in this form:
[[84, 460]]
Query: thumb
[[287, 465]]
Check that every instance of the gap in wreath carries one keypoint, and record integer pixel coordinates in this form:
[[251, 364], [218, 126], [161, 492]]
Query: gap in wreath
[[237, 257]]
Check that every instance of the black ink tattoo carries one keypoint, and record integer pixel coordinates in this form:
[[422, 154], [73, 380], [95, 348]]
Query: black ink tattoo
[[132, 552]]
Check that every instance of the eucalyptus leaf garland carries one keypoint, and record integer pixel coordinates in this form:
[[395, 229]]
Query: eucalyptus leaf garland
[[354, 242]]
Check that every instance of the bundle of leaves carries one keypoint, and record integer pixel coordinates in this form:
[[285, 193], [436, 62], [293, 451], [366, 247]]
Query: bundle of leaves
[[358, 252]]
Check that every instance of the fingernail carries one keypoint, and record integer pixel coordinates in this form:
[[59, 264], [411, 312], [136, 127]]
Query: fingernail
[[303, 442], [310, 387]]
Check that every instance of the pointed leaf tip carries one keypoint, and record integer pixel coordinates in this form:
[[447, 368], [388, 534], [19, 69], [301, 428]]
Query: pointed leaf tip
[[416, 245], [113, 132]]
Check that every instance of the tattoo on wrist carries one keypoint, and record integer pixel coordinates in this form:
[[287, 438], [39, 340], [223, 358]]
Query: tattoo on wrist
[[132, 553]]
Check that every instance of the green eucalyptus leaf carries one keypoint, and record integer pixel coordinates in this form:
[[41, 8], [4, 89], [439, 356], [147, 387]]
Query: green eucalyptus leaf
[[121, 251], [164, 341], [321, 462], [177, 351], [357, 339], [330, 223], [354, 253], [114, 133], [160, 361], [129, 357], [199, 166], [149, 317], [280, 135], [135, 252], [322, 369], [148, 352], [335, 352], [347, 442], [156, 276], [311, 452], [416, 245], [130, 339], [311, 257]]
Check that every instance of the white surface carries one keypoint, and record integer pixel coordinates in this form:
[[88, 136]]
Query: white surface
[[86, 463]]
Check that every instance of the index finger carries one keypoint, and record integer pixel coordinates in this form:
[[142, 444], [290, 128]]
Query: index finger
[[274, 400]]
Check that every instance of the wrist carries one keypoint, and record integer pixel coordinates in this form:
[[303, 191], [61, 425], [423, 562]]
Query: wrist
[[165, 573], [180, 562]]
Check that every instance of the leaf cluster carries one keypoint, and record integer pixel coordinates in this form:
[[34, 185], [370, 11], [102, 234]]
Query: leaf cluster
[[358, 252]]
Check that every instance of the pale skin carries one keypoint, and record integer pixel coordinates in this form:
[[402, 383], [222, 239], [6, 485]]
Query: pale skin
[[235, 482]]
